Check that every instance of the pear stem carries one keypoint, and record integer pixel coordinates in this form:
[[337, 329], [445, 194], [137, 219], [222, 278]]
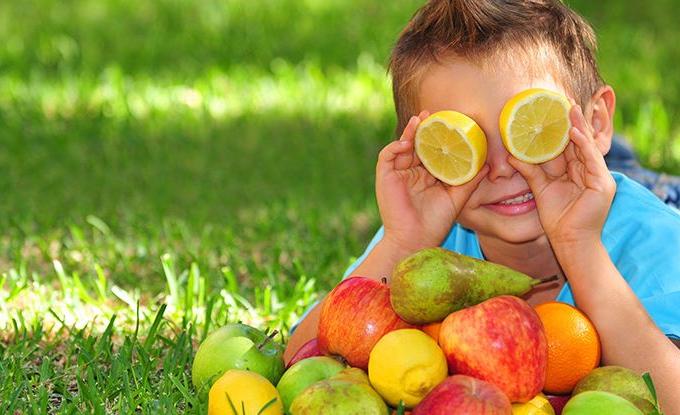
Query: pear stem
[[267, 339], [543, 280]]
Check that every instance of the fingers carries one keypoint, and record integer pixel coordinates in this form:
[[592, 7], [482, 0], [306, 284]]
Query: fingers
[[391, 153], [460, 194], [570, 152], [578, 120], [586, 149], [423, 114], [470, 186], [534, 174], [400, 154], [409, 133]]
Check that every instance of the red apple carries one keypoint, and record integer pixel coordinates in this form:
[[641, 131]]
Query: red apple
[[501, 341], [558, 402], [354, 316], [309, 349], [460, 394]]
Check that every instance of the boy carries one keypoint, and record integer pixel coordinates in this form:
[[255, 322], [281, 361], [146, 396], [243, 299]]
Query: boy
[[614, 244]]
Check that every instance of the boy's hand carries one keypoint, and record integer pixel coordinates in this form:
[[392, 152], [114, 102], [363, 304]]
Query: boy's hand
[[573, 195], [417, 210]]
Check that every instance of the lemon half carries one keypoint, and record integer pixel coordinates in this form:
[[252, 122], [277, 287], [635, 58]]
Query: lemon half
[[535, 125], [451, 146]]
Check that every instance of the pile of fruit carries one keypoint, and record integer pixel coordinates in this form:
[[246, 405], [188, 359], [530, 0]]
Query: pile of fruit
[[449, 335]]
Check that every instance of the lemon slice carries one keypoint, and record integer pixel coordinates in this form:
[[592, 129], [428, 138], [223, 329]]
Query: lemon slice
[[535, 125], [451, 146]]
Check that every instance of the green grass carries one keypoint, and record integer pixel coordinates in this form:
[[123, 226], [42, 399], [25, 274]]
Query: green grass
[[170, 166]]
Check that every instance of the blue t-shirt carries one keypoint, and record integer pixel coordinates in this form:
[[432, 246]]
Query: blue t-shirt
[[641, 235]]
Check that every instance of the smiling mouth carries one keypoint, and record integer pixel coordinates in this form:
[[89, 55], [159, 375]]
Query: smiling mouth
[[517, 200]]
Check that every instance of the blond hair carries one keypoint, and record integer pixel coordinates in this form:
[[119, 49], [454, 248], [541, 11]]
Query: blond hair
[[483, 29]]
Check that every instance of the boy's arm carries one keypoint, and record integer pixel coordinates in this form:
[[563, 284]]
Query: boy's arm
[[304, 332], [628, 335], [573, 203], [382, 259]]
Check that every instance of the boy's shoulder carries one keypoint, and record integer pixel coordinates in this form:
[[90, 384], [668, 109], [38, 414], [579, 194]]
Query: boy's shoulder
[[636, 210], [641, 234]]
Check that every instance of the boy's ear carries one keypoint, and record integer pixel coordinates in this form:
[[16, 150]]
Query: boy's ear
[[600, 116]]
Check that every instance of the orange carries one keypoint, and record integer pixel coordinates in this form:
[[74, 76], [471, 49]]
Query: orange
[[573, 346], [432, 330]]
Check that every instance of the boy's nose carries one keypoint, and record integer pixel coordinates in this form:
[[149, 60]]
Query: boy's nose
[[497, 158]]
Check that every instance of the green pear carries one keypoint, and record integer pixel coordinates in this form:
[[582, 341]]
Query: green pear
[[346, 393], [599, 403], [620, 381], [304, 373], [434, 282]]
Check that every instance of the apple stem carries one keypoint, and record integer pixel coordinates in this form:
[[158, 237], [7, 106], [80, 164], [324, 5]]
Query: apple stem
[[267, 339], [547, 279], [383, 280]]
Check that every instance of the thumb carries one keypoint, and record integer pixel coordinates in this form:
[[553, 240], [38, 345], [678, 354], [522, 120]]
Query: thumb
[[533, 173], [460, 194]]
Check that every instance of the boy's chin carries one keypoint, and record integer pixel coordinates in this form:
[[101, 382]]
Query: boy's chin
[[522, 237], [516, 232]]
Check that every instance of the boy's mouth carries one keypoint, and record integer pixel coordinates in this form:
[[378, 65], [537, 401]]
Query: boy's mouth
[[511, 205], [518, 199]]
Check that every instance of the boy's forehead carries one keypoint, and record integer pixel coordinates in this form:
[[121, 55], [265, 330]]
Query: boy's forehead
[[472, 87]]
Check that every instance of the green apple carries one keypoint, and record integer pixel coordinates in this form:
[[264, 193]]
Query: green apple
[[346, 393], [599, 403], [302, 374], [237, 346], [352, 374]]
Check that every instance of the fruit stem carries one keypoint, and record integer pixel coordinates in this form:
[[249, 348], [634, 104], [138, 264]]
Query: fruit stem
[[543, 280], [267, 339], [383, 280]]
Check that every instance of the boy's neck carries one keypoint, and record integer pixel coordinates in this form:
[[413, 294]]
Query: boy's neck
[[535, 258]]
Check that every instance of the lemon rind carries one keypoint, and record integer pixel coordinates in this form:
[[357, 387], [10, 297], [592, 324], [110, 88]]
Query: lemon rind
[[518, 102], [467, 133]]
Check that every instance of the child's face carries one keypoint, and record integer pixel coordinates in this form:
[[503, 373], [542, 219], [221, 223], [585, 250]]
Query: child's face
[[496, 208]]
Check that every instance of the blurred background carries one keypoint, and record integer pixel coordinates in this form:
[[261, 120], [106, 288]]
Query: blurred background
[[217, 156]]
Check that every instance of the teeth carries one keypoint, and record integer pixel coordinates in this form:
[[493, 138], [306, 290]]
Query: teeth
[[518, 199]]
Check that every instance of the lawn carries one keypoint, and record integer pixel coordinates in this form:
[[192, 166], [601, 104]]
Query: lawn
[[169, 166]]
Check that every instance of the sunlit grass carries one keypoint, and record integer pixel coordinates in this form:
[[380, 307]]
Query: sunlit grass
[[82, 302], [305, 89]]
